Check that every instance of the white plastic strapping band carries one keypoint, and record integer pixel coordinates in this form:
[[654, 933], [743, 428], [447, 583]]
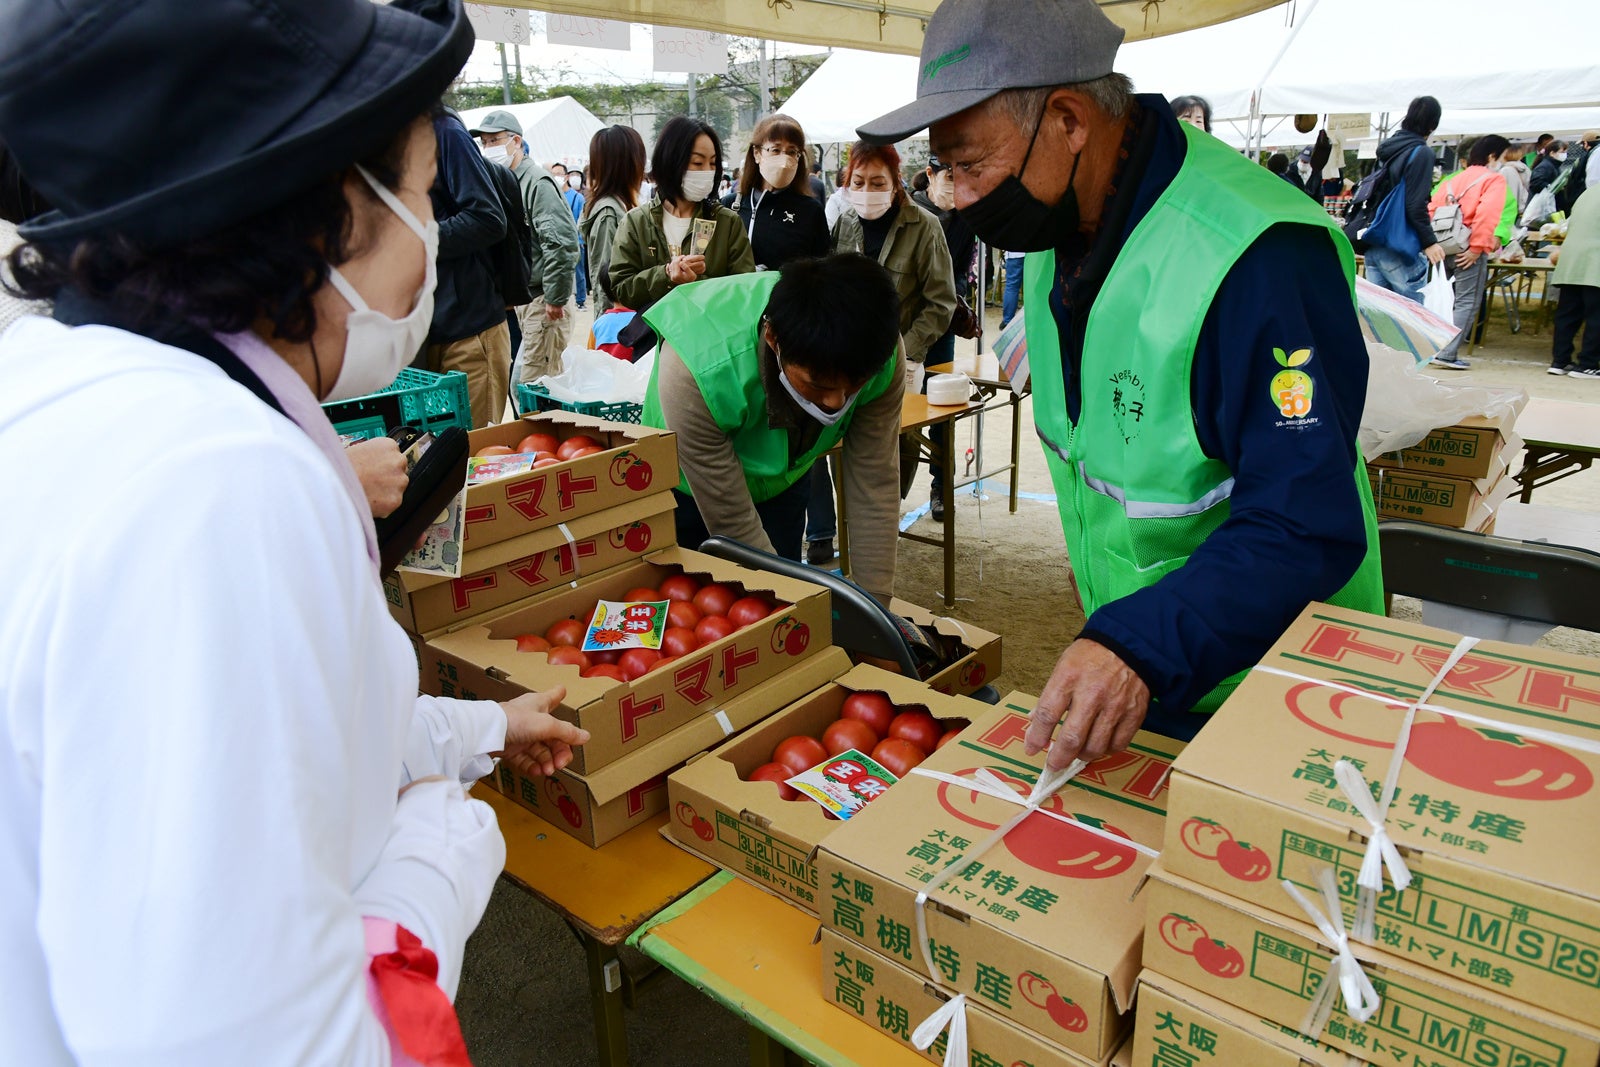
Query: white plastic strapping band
[[1361, 1000], [572, 543], [723, 721], [953, 1014]]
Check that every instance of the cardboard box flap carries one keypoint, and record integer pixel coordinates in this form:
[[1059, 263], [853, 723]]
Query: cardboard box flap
[[493, 555], [1382, 476], [615, 779], [1480, 793], [1282, 1039]]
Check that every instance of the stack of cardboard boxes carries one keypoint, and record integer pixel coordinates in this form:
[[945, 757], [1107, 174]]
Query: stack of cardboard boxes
[[1040, 931], [1456, 476], [1491, 956]]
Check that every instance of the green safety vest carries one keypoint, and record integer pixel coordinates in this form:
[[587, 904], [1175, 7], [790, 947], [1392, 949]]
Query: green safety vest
[[714, 326], [1136, 492]]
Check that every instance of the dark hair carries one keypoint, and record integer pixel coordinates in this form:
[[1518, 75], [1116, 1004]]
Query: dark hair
[[774, 128], [1277, 163], [1485, 148], [919, 182], [1422, 117], [865, 152], [1180, 104], [1544, 138], [1553, 146], [838, 316], [674, 146], [616, 166], [266, 267], [19, 200]]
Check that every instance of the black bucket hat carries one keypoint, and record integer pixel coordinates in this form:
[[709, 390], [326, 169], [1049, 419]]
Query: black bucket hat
[[166, 120]]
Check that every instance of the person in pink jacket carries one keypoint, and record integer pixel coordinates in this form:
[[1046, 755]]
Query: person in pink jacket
[[1481, 192]]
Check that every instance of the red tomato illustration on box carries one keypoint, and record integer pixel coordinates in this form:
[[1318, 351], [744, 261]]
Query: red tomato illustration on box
[[980, 809], [1180, 933], [627, 469], [1064, 848], [1210, 840], [557, 792], [689, 817], [791, 637], [1041, 993]]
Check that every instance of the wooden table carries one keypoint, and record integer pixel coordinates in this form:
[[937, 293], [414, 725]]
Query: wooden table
[[752, 953], [604, 894], [990, 380], [1518, 279], [1559, 439]]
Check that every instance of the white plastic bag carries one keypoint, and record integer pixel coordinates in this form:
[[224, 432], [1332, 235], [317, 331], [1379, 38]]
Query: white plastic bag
[[1404, 404], [589, 374], [1439, 295]]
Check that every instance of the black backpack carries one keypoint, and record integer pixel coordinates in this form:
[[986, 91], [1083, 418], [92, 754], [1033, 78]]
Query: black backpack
[[512, 255], [1577, 175]]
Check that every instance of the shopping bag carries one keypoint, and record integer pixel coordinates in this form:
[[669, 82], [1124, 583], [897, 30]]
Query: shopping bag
[[1439, 295]]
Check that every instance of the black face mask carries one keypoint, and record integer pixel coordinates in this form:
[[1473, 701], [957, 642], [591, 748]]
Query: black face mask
[[1012, 218]]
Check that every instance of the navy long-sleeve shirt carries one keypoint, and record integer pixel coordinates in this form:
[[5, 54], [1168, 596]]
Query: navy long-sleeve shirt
[[467, 300], [1295, 531]]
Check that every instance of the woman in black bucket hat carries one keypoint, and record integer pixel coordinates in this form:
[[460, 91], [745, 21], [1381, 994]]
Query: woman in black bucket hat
[[229, 829]]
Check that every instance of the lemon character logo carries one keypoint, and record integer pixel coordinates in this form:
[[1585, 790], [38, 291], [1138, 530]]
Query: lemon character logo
[[1292, 389]]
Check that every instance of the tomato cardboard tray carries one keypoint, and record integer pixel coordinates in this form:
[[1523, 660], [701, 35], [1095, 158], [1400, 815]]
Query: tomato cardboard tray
[[1042, 928], [1468, 449], [885, 995], [746, 826], [1177, 1024], [597, 807], [519, 567], [1269, 964], [481, 658], [636, 462], [1500, 831], [1424, 497], [978, 660]]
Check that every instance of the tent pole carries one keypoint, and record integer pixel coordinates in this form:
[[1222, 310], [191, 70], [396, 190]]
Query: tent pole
[[505, 73], [764, 82], [1294, 32]]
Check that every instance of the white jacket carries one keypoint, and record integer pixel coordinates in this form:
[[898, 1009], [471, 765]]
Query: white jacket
[[205, 715]]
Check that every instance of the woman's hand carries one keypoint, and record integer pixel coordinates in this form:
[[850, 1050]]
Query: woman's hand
[[1434, 253], [538, 743], [381, 469], [682, 270], [1467, 259]]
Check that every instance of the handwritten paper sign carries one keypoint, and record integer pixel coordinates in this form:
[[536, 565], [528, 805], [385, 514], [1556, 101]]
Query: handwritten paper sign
[[690, 51], [588, 33], [493, 23]]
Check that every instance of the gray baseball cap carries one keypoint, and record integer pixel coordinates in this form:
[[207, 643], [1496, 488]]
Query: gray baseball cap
[[498, 122], [974, 49]]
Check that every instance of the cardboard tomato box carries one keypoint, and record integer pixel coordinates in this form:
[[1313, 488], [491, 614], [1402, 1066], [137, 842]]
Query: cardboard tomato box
[[638, 461], [480, 658], [1045, 916], [1175, 1023], [597, 807], [1270, 964], [519, 567], [979, 661], [884, 995], [1456, 502], [1500, 832], [1469, 449], [749, 829]]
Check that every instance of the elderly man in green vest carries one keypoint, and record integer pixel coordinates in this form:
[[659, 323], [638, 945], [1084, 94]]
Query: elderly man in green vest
[[761, 374], [1198, 369]]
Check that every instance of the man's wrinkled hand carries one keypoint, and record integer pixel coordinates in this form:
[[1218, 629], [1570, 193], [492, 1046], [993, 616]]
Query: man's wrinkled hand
[[381, 469], [1096, 698]]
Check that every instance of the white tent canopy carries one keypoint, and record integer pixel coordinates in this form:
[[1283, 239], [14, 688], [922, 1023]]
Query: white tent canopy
[[555, 130]]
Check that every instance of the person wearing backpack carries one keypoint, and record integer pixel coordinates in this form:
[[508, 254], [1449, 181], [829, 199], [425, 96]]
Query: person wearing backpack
[[1466, 209], [1405, 156]]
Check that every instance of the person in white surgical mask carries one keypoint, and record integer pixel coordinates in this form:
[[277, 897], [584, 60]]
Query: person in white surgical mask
[[224, 586], [823, 380], [683, 234], [884, 223], [781, 217]]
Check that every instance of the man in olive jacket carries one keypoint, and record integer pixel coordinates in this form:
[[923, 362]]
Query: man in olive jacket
[[544, 321]]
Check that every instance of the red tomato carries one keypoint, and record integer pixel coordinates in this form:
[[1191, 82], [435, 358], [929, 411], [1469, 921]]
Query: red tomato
[[714, 599], [898, 755], [532, 643], [664, 660], [874, 709], [777, 774], [538, 442], [580, 453], [604, 655], [748, 610], [566, 655], [918, 727], [603, 670], [847, 734], [548, 461], [679, 641], [799, 753], [636, 662], [643, 592], [683, 613], [680, 587], [577, 441], [948, 736], [712, 628], [566, 632], [493, 450]]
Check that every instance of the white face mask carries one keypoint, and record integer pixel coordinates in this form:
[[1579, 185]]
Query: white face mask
[[1305, 170], [697, 184], [497, 154], [777, 173], [827, 418], [376, 347], [1559, 157], [870, 205], [942, 191]]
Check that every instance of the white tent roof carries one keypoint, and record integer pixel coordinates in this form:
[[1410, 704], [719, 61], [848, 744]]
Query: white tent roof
[[555, 130]]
